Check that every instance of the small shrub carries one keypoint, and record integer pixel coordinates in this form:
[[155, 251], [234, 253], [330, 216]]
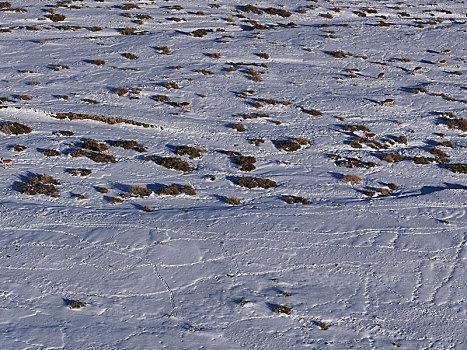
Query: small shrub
[[121, 91], [40, 184], [401, 139], [382, 191], [50, 152], [128, 31], [147, 209], [249, 182], [115, 200], [192, 152], [174, 163], [64, 133], [98, 62], [232, 200], [139, 191], [55, 17], [458, 123], [125, 144], [239, 127], [393, 186], [188, 190], [338, 54], [352, 179], [162, 98], [246, 163], [420, 160], [82, 172], [296, 199], [103, 190], [323, 326], [171, 190], [164, 50], [75, 304], [18, 148], [368, 193], [392, 157], [283, 309], [14, 128], [130, 56], [199, 33], [457, 168]]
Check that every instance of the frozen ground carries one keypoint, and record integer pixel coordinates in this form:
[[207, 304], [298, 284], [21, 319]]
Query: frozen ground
[[361, 266]]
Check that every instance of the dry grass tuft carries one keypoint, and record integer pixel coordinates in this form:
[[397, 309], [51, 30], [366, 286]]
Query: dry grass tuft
[[251, 182], [296, 199], [40, 184], [232, 200], [282, 309], [82, 172], [353, 179], [457, 168], [392, 157], [171, 190], [14, 128], [192, 152], [107, 120], [174, 163], [139, 191], [50, 152], [292, 145], [246, 163], [147, 209]]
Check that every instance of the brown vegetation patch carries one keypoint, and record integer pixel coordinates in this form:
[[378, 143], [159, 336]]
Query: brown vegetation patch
[[232, 200], [192, 152], [174, 163], [420, 160], [292, 145], [282, 309], [14, 128], [103, 190], [115, 200], [18, 148], [125, 144], [75, 304], [392, 157], [246, 163], [107, 120], [238, 126], [82, 172], [353, 179], [354, 163], [171, 190], [138, 191], [40, 184], [458, 123], [251, 182], [50, 152], [457, 168], [94, 145], [199, 33], [296, 199], [95, 156]]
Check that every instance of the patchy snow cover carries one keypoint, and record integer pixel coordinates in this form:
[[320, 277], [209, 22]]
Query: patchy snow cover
[[347, 118]]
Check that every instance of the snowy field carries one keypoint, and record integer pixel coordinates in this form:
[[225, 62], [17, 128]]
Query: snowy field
[[233, 175]]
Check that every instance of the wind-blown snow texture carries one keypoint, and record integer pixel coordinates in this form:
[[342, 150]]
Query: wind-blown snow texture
[[362, 266]]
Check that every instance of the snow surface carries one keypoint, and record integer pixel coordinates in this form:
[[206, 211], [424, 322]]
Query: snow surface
[[197, 273]]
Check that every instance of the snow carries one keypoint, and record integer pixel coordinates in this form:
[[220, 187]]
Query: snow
[[195, 272]]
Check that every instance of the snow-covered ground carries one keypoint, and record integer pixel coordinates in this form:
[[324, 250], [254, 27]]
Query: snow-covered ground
[[379, 263]]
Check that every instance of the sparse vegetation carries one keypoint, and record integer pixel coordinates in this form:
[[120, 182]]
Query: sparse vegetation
[[14, 128], [353, 179], [251, 182], [174, 163], [40, 184]]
